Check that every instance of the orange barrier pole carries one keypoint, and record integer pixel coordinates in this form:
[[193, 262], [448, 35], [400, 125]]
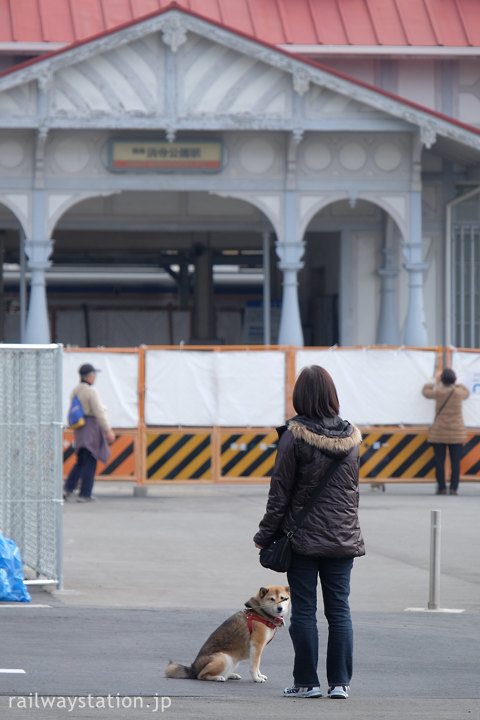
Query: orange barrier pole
[[448, 356], [290, 374], [142, 444], [216, 450]]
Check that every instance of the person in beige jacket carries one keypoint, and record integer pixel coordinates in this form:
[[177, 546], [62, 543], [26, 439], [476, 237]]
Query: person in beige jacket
[[448, 429], [92, 440]]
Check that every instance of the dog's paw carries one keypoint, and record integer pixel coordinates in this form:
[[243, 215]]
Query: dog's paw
[[220, 678], [234, 676], [260, 678]]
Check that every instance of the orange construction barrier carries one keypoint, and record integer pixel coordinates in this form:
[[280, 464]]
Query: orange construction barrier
[[150, 455]]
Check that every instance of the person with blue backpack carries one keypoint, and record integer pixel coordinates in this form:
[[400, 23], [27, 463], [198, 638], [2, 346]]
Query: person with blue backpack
[[92, 436]]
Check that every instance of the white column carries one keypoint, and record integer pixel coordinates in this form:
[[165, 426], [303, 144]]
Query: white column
[[37, 329], [290, 252], [23, 285], [388, 330], [290, 330], [267, 310], [415, 329], [38, 250]]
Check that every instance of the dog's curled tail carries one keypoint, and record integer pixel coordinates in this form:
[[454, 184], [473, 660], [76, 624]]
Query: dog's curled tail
[[181, 672]]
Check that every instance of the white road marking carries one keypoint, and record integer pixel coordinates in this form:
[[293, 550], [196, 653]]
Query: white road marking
[[22, 605], [11, 671], [438, 610]]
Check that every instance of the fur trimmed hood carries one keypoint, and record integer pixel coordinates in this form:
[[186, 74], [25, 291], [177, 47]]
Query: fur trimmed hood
[[333, 436]]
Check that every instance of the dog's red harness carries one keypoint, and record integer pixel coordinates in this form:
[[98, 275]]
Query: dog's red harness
[[273, 624]]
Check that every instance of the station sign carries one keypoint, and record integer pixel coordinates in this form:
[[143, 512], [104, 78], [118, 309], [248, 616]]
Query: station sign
[[163, 156]]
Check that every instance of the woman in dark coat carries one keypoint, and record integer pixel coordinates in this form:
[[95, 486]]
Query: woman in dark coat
[[330, 536]]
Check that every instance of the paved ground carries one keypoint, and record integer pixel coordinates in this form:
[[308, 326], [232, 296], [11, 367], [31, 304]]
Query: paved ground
[[147, 579]]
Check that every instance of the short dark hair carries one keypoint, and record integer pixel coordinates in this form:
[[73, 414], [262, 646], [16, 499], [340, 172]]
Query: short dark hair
[[315, 394], [448, 376]]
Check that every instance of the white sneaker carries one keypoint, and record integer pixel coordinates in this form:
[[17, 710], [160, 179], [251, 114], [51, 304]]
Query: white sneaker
[[338, 692], [302, 692]]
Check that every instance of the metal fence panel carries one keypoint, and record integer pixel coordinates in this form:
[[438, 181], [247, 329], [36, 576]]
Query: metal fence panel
[[31, 448]]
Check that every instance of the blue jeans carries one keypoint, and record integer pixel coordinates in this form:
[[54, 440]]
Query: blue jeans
[[334, 577], [83, 469]]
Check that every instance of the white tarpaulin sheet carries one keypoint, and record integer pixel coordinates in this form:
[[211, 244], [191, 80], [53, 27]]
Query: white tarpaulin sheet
[[467, 368], [204, 388], [242, 389], [378, 387], [117, 384], [179, 388], [251, 388]]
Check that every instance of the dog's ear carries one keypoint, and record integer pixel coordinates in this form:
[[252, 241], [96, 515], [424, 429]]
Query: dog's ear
[[262, 592], [287, 589]]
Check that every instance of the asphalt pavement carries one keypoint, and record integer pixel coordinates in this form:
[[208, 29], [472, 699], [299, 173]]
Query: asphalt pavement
[[146, 579]]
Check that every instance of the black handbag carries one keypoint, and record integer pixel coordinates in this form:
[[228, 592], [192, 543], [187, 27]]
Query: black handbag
[[278, 555]]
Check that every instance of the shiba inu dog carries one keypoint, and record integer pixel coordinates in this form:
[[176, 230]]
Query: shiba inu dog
[[244, 635]]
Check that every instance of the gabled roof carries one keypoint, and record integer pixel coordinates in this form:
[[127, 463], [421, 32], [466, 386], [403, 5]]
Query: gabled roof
[[413, 23], [304, 72]]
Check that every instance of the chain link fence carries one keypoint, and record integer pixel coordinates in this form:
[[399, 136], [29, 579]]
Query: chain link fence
[[31, 463]]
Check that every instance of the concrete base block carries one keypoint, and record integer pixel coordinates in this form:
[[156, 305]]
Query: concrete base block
[[140, 491]]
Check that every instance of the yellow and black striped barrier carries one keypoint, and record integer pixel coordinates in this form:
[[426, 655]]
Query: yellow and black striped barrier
[[120, 466], [396, 455], [178, 456], [470, 462], [247, 454], [219, 455]]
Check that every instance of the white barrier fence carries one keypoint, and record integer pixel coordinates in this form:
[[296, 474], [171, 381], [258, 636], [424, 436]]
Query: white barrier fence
[[250, 388], [377, 387], [466, 365]]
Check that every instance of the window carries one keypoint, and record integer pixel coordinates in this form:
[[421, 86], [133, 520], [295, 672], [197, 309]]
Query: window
[[466, 284]]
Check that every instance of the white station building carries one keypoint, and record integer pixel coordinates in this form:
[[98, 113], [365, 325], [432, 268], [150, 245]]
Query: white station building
[[179, 178]]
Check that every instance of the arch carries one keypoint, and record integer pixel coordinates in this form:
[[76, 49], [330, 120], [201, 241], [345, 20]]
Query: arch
[[14, 294], [326, 200], [163, 234], [20, 213], [261, 203], [66, 201], [335, 284]]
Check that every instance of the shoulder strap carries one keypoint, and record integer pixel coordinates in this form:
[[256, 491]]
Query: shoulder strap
[[321, 485], [444, 403]]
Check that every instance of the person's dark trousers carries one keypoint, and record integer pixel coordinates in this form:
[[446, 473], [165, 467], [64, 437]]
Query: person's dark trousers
[[439, 451], [335, 582], [455, 452], [83, 469]]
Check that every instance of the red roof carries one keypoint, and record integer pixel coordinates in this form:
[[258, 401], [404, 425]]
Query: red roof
[[173, 5], [450, 23]]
